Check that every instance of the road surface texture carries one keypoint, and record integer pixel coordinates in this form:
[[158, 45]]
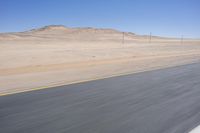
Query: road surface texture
[[161, 101]]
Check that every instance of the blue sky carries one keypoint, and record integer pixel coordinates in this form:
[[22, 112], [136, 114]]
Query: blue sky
[[161, 17]]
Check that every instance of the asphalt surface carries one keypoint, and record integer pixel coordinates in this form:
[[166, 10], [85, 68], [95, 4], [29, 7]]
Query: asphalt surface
[[161, 101]]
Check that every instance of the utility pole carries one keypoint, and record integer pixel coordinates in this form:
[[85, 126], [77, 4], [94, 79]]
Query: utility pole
[[123, 37], [181, 39], [150, 37]]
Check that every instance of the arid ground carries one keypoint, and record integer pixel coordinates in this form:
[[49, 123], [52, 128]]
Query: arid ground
[[56, 55]]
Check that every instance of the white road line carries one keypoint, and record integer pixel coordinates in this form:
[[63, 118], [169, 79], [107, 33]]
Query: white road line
[[196, 130]]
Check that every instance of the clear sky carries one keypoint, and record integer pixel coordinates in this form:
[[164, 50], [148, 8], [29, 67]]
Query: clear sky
[[161, 17]]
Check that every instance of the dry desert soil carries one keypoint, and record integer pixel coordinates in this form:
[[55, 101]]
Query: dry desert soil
[[57, 55]]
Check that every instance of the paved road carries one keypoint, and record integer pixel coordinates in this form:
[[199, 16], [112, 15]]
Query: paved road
[[162, 101]]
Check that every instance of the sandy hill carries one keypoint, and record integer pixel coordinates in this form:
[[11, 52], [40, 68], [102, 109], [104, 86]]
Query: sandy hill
[[63, 29], [57, 32]]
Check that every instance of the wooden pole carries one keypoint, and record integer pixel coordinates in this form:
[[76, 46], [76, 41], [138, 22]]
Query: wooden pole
[[150, 37], [181, 39], [123, 37]]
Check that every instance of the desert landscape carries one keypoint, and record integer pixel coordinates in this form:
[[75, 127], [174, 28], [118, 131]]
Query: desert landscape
[[99, 66], [57, 55]]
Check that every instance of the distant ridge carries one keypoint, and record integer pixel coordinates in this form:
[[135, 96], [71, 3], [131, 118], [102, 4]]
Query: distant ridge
[[57, 32], [51, 28]]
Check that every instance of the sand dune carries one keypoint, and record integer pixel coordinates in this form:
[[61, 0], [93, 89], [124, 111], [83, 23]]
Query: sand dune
[[55, 55]]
